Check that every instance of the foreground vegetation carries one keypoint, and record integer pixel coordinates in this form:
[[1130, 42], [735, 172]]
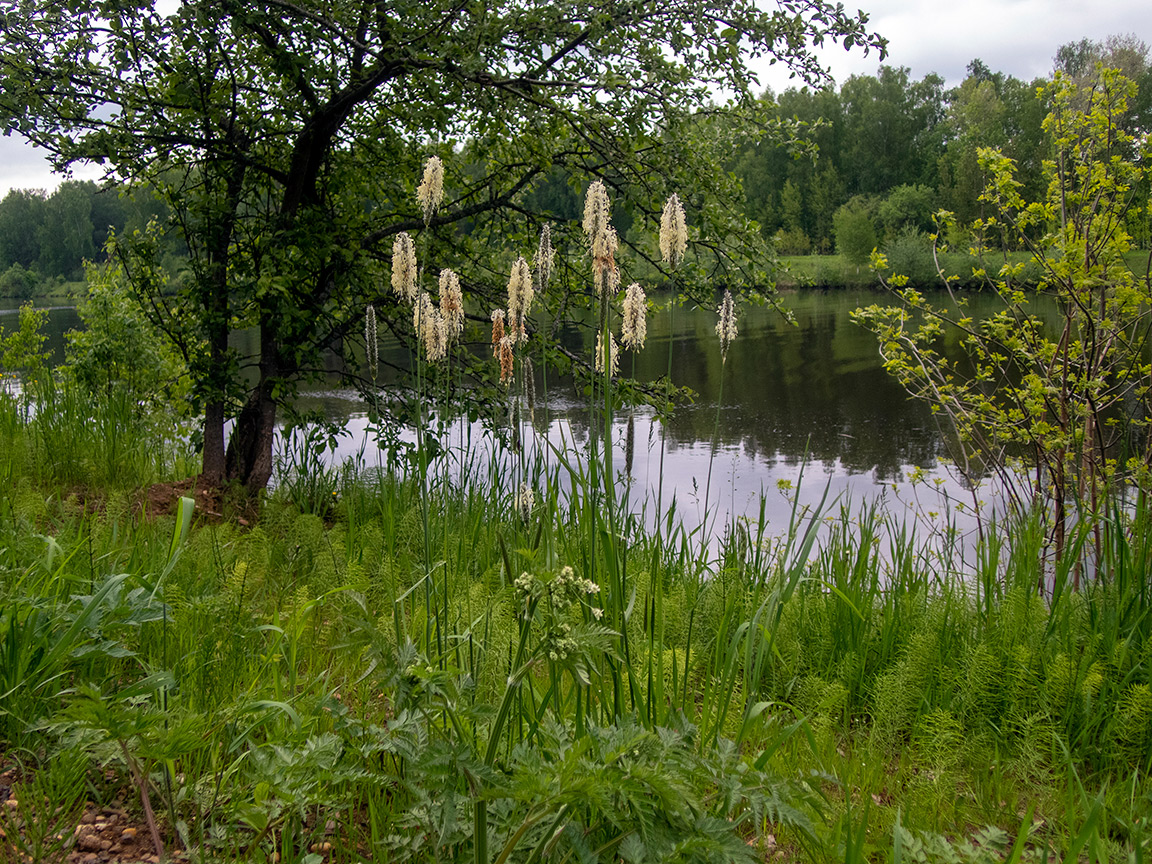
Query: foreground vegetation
[[298, 682], [509, 654]]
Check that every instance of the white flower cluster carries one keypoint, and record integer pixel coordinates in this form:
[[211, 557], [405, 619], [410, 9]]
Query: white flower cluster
[[451, 303], [673, 232], [525, 501], [563, 591], [430, 328], [613, 354], [635, 327], [726, 326], [568, 582], [431, 190], [520, 294], [404, 267]]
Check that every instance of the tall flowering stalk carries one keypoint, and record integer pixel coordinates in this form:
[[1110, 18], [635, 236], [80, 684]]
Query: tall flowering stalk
[[673, 242], [371, 342], [634, 328], [603, 244], [404, 270], [451, 303], [430, 193], [726, 330], [520, 294]]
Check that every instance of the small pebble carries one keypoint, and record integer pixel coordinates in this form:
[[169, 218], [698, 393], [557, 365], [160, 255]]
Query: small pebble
[[105, 845], [90, 858], [88, 818], [128, 832]]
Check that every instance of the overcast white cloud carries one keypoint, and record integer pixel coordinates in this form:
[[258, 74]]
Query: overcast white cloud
[[1018, 37]]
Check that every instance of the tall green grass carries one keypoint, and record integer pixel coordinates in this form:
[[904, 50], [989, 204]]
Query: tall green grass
[[832, 688]]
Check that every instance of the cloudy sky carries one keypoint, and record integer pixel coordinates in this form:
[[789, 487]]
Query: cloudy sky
[[1019, 37]]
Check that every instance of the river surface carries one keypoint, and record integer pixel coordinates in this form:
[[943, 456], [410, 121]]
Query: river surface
[[804, 408]]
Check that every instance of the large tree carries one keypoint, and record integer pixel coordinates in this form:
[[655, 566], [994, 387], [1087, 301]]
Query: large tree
[[287, 137]]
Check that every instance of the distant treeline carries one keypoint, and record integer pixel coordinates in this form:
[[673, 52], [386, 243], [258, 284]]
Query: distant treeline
[[45, 239], [892, 151], [889, 152]]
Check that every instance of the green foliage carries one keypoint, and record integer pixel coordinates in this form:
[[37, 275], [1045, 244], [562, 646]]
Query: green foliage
[[791, 242], [855, 230], [1074, 405], [910, 253], [907, 208], [19, 283], [119, 351], [22, 351]]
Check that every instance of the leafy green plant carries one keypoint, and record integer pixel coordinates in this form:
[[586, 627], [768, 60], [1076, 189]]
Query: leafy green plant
[[1074, 404]]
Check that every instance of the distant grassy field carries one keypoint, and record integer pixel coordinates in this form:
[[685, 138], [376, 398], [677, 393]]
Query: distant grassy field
[[831, 271]]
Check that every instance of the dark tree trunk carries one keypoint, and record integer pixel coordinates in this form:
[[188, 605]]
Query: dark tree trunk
[[214, 467], [249, 456]]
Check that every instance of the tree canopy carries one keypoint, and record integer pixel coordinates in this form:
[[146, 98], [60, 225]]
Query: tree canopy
[[287, 138]]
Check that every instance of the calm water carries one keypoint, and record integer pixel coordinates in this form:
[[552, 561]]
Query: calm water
[[810, 397], [807, 402]]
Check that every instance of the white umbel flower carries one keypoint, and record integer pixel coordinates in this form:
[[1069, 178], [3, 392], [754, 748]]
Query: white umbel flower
[[673, 232], [726, 326], [635, 326], [430, 193], [404, 267]]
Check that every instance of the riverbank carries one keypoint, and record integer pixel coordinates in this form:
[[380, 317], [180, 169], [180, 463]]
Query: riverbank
[[384, 664], [913, 258]]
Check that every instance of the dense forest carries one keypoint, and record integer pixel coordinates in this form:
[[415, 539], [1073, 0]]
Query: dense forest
[[890, 151]]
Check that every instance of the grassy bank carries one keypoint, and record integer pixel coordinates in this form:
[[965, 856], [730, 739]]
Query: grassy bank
[[389, 665], [914, 259]]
